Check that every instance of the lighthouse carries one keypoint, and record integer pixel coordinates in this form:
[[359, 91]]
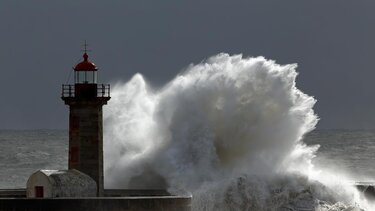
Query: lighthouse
[[85, 99]]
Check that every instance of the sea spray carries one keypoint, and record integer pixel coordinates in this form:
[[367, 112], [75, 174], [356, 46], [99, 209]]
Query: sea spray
[[229, 130]]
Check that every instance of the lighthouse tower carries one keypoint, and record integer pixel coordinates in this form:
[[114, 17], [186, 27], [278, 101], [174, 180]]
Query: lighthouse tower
[[85, 100]]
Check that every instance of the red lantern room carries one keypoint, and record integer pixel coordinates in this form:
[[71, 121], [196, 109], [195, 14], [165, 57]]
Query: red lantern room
[[85, 72]]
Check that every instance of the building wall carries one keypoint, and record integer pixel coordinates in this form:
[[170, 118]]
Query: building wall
[[38, 179]]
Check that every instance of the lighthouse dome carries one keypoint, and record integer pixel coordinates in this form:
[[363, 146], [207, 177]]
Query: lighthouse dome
[[85, 65]]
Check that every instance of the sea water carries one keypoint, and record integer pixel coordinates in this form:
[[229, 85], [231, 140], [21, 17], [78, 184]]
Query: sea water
[[23, 152]]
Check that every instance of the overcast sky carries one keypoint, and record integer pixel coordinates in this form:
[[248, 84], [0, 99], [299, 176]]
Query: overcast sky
[[333, 41]]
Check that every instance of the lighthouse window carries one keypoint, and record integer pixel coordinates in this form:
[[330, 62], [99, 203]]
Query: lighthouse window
[[85, 77], [95, 76], [88, 77], [91, 76], [81, 77]]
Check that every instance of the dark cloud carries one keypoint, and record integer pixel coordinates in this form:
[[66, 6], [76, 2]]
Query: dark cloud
[[332, 41]]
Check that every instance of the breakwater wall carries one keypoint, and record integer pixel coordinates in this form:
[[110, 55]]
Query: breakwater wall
[[119, 200]]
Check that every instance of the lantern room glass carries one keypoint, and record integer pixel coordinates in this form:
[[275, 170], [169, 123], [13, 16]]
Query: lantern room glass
[[86, 77]]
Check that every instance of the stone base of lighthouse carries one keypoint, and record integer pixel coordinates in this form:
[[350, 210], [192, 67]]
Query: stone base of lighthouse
[[86, 137]]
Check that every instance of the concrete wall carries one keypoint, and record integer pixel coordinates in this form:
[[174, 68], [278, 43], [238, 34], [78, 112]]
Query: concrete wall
[[12, 193], [152, 200], [98, 204], [139, 193]]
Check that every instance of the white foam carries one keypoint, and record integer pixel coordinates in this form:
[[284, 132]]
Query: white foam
[[228, 129]]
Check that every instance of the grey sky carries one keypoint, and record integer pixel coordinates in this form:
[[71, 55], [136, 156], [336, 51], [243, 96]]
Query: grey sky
[[333, 41]]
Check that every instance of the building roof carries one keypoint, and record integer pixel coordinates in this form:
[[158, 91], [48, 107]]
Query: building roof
[[69, 177]]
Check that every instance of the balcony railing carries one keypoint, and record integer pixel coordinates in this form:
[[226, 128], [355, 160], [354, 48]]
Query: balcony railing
[[102, 90]]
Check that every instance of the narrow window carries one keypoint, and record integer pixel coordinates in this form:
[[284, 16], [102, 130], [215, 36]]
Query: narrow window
[[74, 154]]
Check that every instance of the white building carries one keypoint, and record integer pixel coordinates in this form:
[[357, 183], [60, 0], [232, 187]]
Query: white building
[[60, 183]]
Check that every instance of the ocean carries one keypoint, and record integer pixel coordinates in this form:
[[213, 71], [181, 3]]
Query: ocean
[[351, 152], [23, 152]]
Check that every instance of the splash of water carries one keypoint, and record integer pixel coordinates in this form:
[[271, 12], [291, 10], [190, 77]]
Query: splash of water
[[230, 131]]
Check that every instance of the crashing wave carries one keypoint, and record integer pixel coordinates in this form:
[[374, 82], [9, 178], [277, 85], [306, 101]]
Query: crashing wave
[[229, 130]]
